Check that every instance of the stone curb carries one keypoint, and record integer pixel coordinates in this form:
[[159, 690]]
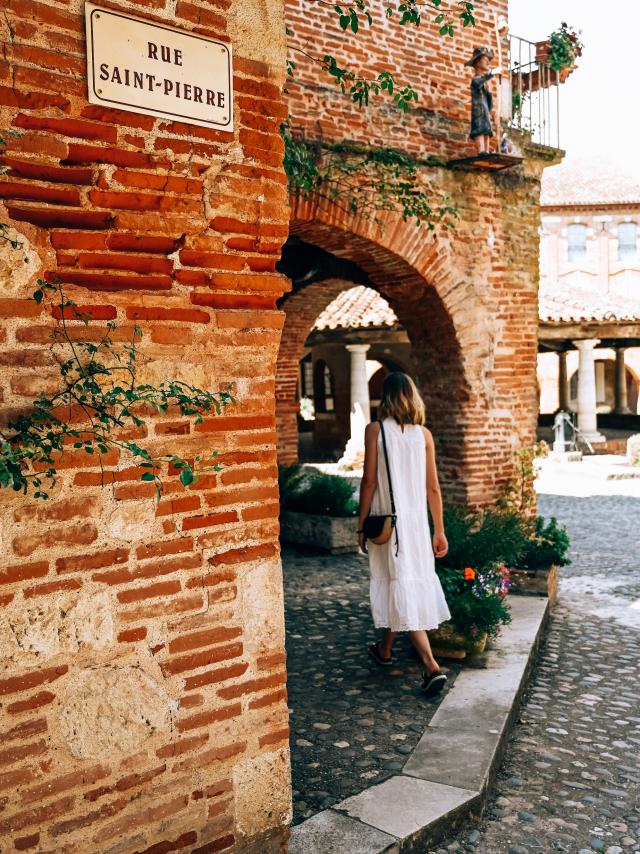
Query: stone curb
[[447, 778]]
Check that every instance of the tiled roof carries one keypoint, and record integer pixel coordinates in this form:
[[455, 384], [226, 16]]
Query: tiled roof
[[361, 307], [357, 308], [564, 304], [588, 182]]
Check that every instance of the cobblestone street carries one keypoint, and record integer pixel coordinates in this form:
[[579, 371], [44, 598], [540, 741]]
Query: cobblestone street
[[571, 777], [353, 723], [570, 781]]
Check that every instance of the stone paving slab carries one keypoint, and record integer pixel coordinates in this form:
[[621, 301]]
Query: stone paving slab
[[330, 832], [406, 807], [468, 766]]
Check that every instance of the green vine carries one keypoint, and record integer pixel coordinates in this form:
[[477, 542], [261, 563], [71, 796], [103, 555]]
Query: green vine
[[363, 180], [100, 401], [353, 17]]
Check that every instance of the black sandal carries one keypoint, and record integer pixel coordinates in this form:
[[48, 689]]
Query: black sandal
[[374, 652], [433, 683]]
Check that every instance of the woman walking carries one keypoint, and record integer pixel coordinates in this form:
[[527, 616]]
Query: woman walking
[[399, 478]]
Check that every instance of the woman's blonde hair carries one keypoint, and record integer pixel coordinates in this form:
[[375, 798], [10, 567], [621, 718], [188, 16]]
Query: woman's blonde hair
[[401, 400]]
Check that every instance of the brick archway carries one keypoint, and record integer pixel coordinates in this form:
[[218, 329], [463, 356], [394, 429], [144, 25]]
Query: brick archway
[[412, 271]]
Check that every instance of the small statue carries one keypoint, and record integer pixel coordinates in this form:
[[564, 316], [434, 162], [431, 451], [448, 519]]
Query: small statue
[[481, 97]]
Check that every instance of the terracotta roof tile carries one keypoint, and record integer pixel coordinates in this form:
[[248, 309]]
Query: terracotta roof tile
[[356, 308], [588, 182], [564, 304]]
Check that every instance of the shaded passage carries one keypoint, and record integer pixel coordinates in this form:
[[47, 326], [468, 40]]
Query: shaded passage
[[353, 723]]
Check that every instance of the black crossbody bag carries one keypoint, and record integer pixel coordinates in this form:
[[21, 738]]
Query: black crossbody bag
[[379, 529]]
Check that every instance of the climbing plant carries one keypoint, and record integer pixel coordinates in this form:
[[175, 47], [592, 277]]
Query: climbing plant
[[100, 404], [353, 17], [364, 180]]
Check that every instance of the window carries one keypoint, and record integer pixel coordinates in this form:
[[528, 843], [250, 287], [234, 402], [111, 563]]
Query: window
[[627, 240], [576, 241], [306, 376], [322, 387]]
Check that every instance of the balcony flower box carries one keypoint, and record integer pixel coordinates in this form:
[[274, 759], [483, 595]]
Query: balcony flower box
[[332, 534]]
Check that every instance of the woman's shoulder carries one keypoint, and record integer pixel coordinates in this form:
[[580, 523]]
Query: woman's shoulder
[[372, 430]]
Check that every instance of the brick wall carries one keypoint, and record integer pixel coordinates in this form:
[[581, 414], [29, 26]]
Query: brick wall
[[467, 297], [142, 696]]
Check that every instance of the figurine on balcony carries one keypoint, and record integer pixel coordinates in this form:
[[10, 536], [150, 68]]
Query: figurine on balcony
[[481, 97]]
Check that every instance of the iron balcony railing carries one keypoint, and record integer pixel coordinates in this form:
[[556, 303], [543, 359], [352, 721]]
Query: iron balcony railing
[[532, 93]]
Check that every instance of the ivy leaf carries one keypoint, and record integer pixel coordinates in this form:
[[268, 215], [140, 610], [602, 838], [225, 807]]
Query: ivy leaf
[[147, 475], [186, 477], [38, 295]]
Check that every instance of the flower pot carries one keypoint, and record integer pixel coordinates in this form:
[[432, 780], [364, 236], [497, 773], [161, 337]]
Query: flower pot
[[542, 51], [535, 582], [332, 534], [445, 641]]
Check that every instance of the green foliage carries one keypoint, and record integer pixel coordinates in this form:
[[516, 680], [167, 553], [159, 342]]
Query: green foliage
[[546, 546], [564, 48], [99, 404], [352, 18], [306, 490], [481, 539], [477, 605], [519, 494], [363, 180]]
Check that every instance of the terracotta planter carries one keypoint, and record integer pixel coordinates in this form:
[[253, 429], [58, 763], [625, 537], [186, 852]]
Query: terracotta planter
[[535, 582], [542, 51], [332, 534], [445, 641]]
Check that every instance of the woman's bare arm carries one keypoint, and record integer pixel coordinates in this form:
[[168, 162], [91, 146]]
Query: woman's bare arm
[[369, 480], [434, 497]]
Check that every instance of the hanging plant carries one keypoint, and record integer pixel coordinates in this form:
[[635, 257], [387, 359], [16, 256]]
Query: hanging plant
[[562, 48], [100, 404]]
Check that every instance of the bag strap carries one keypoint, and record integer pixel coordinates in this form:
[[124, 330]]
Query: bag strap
[[386, 461]]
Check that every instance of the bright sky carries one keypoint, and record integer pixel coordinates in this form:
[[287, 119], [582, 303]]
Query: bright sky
[[600, 102]]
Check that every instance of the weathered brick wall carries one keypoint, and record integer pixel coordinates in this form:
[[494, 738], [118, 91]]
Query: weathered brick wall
[[468, 296], [142, 697], [437, 124]]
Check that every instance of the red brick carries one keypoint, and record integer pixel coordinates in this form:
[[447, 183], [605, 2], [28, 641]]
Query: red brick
[[81, 534], [23, 571], [142, 243], [165, 547], [60, 218], [23, 843], [193, 522], [21, 751], [184, 745], [206, 637], [96, 560], [93, 312], [162, 588], [42, 698], [279, 696], [181, 315], [72, 780], [212, 677], [184, 663], [244, 554], [231, 692], [132, 635], [265, 511], [25, 730], [177, 844], [274, 737], [37, 193], [209, 717], [32, 679]]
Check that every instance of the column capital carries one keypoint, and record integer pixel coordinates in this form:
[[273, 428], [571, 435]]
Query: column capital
[[585, 343], [358, 348]]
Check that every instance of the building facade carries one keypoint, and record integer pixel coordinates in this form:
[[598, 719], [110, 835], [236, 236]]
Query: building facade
[[590, 289], [143, 665]]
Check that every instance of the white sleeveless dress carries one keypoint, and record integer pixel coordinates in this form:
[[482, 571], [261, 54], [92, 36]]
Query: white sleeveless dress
[[406, 594]]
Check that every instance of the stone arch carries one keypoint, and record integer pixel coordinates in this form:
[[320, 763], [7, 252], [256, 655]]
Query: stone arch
[[436, 304]]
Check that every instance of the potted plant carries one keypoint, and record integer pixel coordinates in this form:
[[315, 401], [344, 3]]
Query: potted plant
[[317, 509], [545, 551], [560, 50], [478, 609]]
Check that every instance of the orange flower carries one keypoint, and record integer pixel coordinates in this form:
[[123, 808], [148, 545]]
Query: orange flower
[[469, 574]]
